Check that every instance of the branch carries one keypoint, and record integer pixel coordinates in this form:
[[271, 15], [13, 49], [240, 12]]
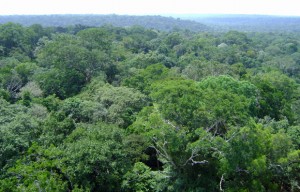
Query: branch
[[276, 166], [193, 155], [221, 181], [161, 150], [198, 162], [170, 123], [232, 136], [242, 170], [216, 126], [217, 150]]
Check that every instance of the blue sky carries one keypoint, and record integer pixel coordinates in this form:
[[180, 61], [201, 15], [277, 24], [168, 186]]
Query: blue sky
[[150, 7]]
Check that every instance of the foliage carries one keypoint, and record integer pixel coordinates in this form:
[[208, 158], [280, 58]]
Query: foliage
[[118, 105], [133, 109], [19, 128], [38, 170], [94, 157]]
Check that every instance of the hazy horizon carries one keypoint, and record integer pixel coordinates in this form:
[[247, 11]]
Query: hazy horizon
[[154, 7]]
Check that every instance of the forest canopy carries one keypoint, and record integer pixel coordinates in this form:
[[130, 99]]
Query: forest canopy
[[137, 109]]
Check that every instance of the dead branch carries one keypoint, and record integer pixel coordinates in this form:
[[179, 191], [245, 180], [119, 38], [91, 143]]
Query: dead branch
[[221, 181]]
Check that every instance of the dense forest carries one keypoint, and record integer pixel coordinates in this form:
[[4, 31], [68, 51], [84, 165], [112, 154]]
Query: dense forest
[[150, 22], [136, 109]]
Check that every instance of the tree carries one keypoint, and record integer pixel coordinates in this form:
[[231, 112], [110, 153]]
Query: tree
[[70, 63], [235, 37], [14, 38], [19, 128], [277, 92], [120, 104], [177, 154], [38, 170], [213, 102], [94, 157], [141, 179], [198, 70], [144, 78], [56, 127], [257, 160], [179, 101], [84, 110], [96, 38]]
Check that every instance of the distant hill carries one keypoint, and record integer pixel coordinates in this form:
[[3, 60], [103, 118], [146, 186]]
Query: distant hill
[[156, 22], [248, 23]]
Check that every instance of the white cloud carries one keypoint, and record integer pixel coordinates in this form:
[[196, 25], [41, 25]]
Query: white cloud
[[273, 7]]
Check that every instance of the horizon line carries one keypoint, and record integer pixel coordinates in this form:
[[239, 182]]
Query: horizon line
[[154, 14]]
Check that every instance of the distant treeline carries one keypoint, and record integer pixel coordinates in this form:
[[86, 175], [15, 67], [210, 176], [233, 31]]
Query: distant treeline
[[250, 23], [196, 23], [150, 22]]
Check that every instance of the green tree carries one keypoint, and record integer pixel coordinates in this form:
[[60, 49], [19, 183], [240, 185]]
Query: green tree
[[20, 126], [213, 102], [143, 79], [141, 179], [39, 170], [178, 154], [120, 104], [96, 38], [94, 157], [14, 38], [255, 159], [277, 92], [69, 64]]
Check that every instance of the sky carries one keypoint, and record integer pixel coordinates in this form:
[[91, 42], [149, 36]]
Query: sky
[[150, 7]]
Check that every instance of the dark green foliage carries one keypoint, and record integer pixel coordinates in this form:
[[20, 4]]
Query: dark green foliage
[[19, 127], [4, 94], [56, 128], [96, 38], [179, 101], [143, 79], [94, 157], [68, 65], [141, 178], [26, 99], [14, 39], [135, 109], [276, 94], [215, 101], [38, 170]]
